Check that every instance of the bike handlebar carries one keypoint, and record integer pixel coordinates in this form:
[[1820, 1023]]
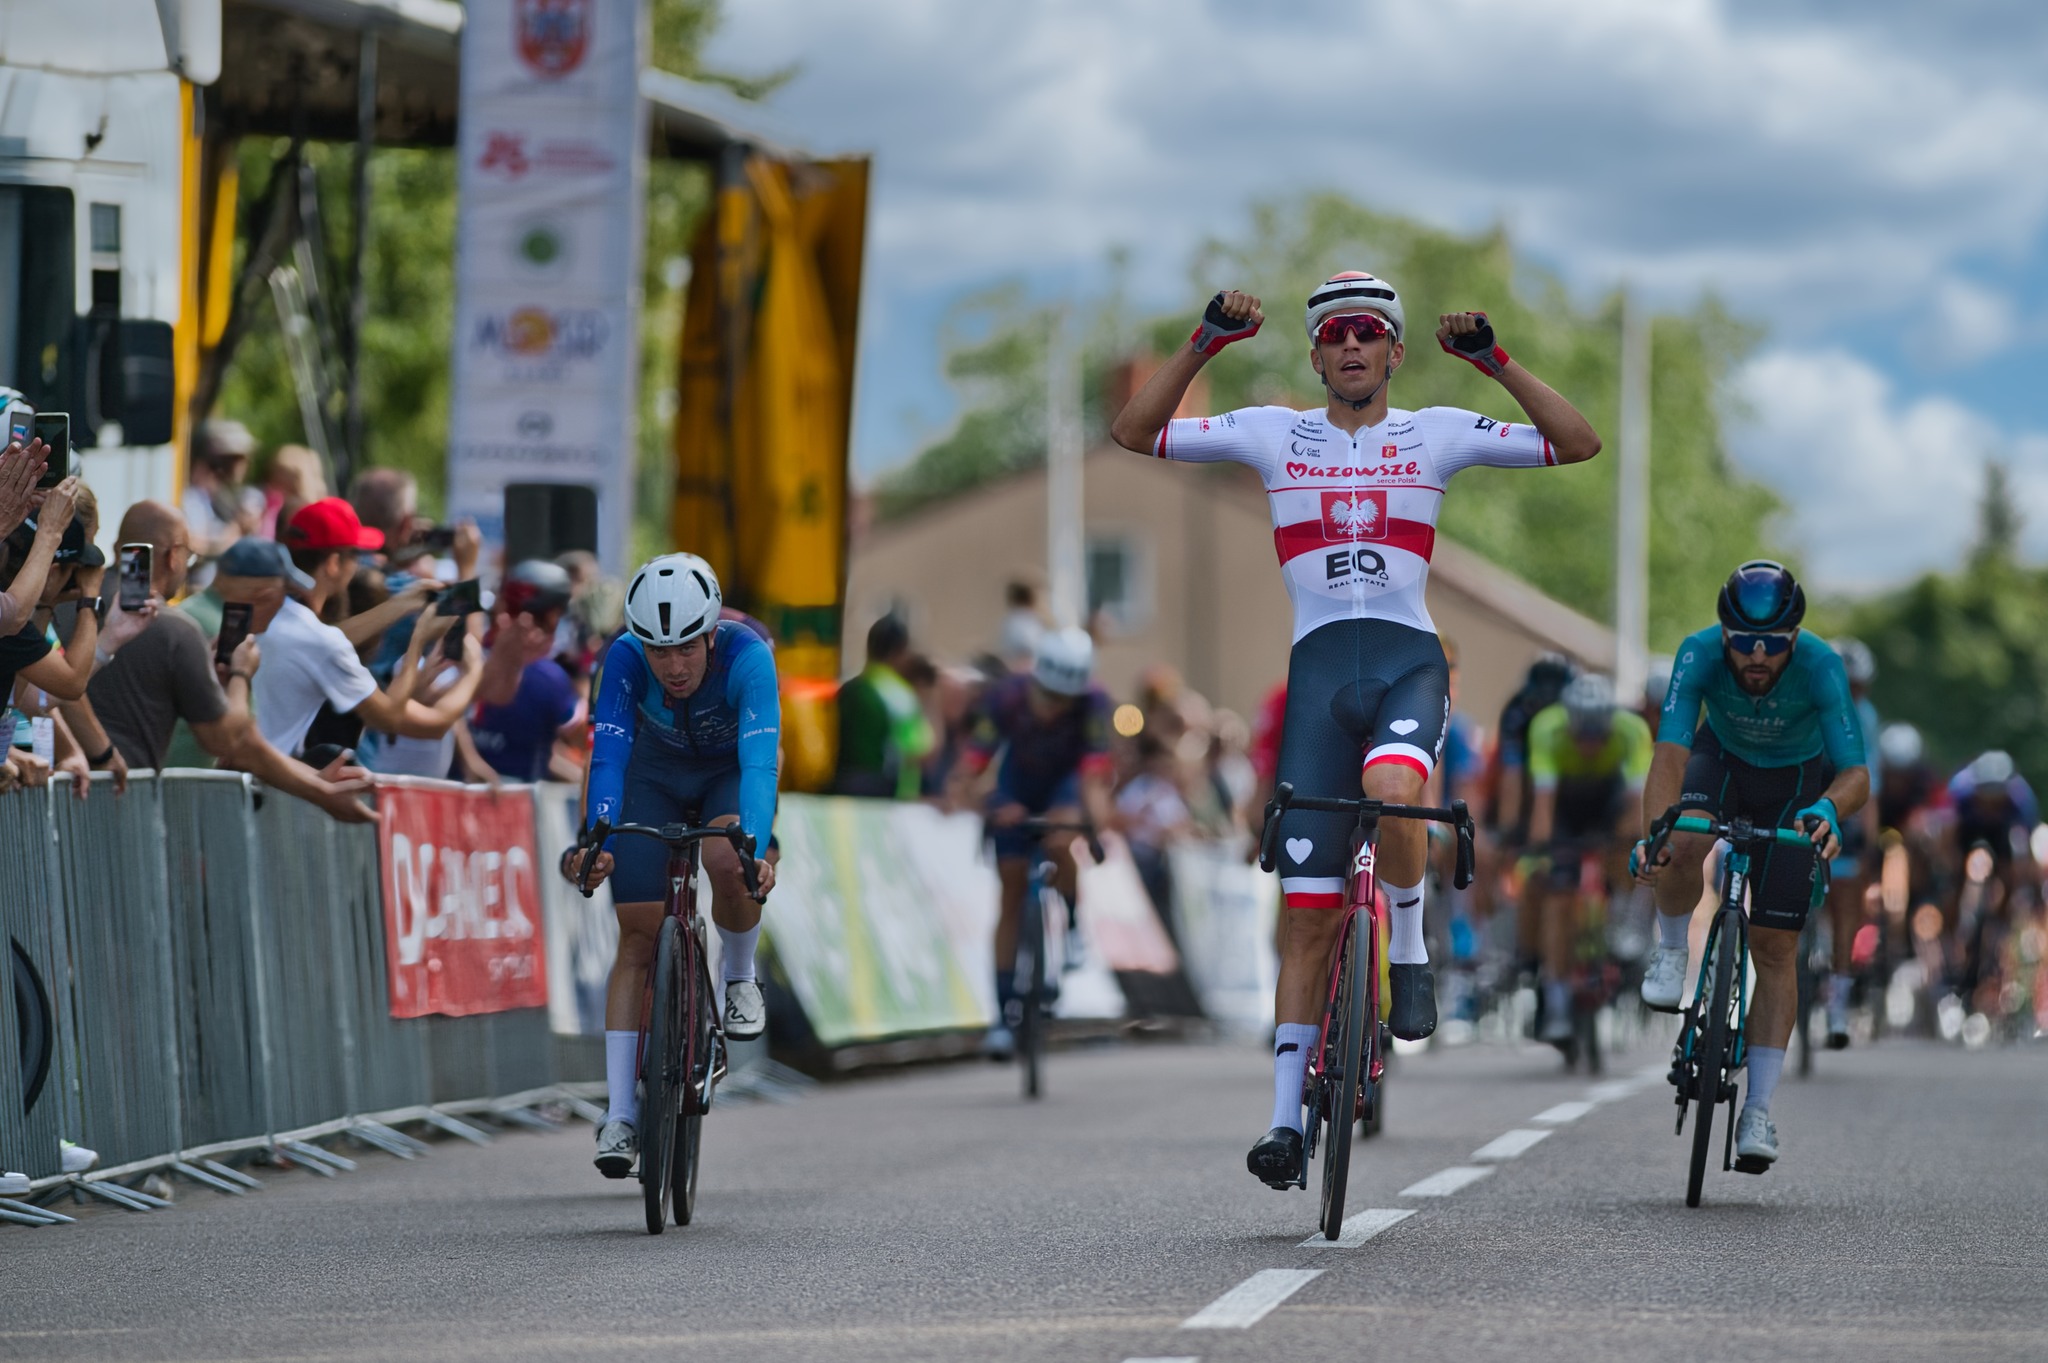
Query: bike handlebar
[[1740, 834], [1041, 827], [1284, 799], [675, 837]]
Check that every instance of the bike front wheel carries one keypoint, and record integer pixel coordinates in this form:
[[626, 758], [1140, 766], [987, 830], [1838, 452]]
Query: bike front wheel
[[1712, 1036], [1030, 974], [1344, 1056], [661, 1075]]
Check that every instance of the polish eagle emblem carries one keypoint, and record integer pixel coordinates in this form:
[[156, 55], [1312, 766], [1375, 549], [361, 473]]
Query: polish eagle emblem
[[1355, 515]]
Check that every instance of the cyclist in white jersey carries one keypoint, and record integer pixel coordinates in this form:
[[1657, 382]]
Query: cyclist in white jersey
[[1355, 491]]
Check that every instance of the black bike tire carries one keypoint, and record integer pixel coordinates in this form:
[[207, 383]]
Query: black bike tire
[[1031, 1001], [696, 1065], [659, 1077], [1347, 1023], [1710, 1059]]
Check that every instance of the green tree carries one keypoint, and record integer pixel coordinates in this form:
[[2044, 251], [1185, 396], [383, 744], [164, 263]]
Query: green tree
[[409, 275], [1961, 655], [1555, 529]]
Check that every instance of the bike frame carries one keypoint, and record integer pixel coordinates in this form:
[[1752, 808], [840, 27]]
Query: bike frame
[[1728, 917], [1362, 900], [681, 904]]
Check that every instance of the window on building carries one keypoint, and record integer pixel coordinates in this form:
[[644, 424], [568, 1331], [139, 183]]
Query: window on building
[[1119, 582]]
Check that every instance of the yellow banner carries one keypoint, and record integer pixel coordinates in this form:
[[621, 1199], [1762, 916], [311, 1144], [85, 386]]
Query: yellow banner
[[766, 397]]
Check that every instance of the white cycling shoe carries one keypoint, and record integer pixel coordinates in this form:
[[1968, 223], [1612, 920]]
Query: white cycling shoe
[[1664, 979], [1756, 1141], [618, 1144], [746, 1012]]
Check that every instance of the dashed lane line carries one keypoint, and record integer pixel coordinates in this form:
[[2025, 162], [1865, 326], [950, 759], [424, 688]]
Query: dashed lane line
[[1563, 1113], [1249, 1302], [1510, 1144], [1360, 1227], [1178, 1358], [1444, 1182]]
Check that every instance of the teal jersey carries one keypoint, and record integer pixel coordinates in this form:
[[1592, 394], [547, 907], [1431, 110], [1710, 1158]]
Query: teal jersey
[[1807, 713]]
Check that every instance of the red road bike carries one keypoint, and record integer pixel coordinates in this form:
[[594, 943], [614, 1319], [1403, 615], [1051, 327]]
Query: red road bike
[[1346, 1080]]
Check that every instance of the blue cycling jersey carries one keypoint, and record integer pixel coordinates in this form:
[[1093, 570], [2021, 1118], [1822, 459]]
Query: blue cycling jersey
[[733, 719], [1807, 713]]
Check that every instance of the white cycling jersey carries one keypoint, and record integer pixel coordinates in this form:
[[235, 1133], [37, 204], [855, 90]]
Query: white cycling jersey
[[1354, 516]]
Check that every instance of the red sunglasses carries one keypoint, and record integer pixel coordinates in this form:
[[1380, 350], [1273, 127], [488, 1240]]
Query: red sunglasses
[[1366, 326]]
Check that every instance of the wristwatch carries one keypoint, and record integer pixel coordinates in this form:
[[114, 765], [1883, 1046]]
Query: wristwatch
[[96, 604]]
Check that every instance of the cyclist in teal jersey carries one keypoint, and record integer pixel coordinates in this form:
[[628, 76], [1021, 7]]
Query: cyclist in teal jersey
[[1780, 743]]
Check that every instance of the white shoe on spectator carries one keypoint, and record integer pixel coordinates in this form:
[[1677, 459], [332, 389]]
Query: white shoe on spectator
[[77, 1159], [13, 1185]]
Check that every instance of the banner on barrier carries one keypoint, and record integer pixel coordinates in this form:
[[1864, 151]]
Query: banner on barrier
[[462, 908]]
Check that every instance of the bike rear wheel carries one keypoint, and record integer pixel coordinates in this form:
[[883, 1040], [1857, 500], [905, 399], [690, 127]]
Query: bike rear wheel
[[1031, 1018], [661, 1075], [1711, 1060], [1344, 1059], [696, 1092]]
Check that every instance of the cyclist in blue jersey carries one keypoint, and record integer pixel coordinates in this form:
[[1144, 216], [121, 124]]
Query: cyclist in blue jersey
[[684, 730], [1780, 743]]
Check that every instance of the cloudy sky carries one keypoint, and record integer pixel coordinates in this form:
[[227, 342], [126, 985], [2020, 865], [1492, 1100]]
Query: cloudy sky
[[1866, 178]]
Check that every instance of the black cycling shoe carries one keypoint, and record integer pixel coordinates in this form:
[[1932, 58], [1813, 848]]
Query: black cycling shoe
[[1414, 1011], [1276, 1159]]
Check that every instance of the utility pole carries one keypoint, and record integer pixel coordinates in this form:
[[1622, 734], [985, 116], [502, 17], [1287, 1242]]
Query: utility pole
[[1632, 509], [1066, 571]]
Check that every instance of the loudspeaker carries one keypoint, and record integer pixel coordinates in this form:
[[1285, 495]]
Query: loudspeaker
[[543, 520]]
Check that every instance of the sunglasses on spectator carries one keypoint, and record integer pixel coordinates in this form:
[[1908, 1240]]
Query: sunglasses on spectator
[[1366, 326], [1771, 644]]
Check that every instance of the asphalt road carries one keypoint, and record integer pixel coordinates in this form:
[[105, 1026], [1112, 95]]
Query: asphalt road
[[934, 1215]]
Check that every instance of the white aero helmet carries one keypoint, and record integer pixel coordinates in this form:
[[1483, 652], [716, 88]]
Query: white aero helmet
[[1900, 745], [1857, 661], [1355, 291], [1063, 661], [672, 600]]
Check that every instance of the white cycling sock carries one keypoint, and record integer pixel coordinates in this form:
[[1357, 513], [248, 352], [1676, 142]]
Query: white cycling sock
[[737, 961], [1405, 945], [1766, 1063], [1838, 992], [1291, 1043], [621, 1077], [1557, 998], [1671, 930]]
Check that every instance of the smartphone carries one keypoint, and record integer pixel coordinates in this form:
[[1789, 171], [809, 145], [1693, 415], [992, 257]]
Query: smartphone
[[234, 627], [451, 642], [135, 575], [438, 539], [54, 430], [461, 598]]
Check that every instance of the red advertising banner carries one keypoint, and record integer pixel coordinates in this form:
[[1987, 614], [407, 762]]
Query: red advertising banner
[[462, 910]]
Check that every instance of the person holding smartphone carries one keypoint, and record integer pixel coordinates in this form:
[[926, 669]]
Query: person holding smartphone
[[170, 672], [53, 556]]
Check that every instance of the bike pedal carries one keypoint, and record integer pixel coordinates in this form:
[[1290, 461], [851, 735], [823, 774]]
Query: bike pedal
[[1750, 1164]]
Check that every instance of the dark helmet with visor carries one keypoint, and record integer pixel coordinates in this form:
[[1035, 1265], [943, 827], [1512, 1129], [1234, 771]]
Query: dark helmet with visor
[[1762, 597]]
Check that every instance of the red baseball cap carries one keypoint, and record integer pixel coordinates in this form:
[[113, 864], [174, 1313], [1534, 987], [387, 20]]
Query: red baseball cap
[[330, 523]]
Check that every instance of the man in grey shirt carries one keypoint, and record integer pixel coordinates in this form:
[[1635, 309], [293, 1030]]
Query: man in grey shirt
[[167, 673]]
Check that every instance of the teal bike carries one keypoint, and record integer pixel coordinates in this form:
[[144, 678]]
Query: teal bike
[[1711, 1047]]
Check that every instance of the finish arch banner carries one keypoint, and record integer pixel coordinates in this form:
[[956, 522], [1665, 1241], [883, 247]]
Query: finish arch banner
[[462, 898]]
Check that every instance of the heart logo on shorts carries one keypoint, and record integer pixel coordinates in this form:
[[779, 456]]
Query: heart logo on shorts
[[1404, 727], [1299, 848]]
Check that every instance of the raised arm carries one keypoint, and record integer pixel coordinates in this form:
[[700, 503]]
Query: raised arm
[[1230, 316], [1469, 336]]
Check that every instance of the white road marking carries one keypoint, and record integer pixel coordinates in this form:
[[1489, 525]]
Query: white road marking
[[1360, 1227], [1444, 1182], [1248, 1303], [1562, 1113], [1510, 1144], [1178, 1358]]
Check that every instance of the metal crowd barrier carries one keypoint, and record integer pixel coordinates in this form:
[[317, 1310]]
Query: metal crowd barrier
[[197, 967]]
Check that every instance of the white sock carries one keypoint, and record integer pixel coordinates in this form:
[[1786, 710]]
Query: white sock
[[1404, 944], [621, 1077], [1671, 930], [1838, 992], [1557, 998], [737, 962], [1766, 1063], [1291, 1043]]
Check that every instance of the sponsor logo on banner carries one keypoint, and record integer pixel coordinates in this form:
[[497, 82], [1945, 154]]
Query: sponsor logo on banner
[[462, 908], [1356, 515], [541, 343], [511, 156], [540, 249], [553, 35]]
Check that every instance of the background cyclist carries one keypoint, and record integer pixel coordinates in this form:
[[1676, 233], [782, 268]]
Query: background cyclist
[[1355, 490], [684, 730], [1780, 742], [1857, 865], [1047, 733], [1587, 762]]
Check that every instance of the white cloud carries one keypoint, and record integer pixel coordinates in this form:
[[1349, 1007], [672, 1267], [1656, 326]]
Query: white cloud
[[1969, 322], [1882, 487]]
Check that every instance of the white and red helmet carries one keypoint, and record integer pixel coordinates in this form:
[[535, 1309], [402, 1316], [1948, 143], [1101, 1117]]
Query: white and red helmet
[[1350, 291]]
